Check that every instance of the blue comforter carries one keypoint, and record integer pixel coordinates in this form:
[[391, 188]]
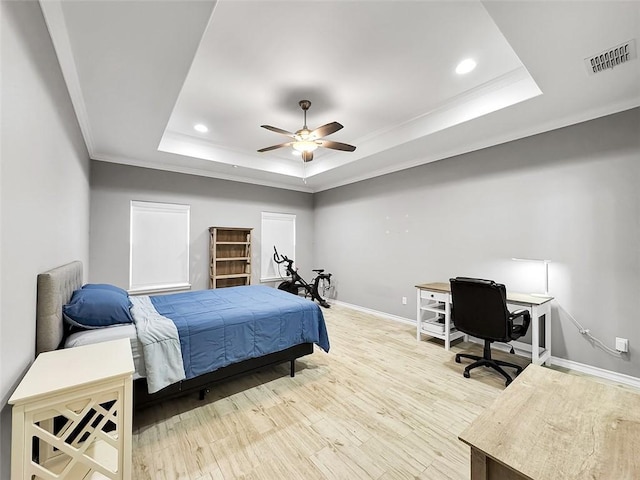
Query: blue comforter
[[224, 326]]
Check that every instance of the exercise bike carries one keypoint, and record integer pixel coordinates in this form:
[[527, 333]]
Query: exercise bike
[[297, 282]]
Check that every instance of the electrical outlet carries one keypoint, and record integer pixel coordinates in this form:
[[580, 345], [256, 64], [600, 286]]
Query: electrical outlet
[[622, 344], [404, 300]]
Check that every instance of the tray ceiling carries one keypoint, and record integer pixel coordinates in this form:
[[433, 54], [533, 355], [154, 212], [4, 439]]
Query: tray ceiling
[[141, 75]]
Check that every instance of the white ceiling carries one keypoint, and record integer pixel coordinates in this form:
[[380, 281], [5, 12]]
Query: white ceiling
[[141, 74]]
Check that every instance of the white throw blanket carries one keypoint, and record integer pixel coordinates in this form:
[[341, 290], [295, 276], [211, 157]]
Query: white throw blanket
[[160, 344]]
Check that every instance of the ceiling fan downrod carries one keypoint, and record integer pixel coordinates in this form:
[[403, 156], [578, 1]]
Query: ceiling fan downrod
[[304, 105]]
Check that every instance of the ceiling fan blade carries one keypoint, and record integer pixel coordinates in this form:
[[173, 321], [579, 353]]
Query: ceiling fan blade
[[336, 145], [278, 130], [327, 129], [273, 147], [307, 156]]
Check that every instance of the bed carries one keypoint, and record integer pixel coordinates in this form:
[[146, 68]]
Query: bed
[[221, 333]]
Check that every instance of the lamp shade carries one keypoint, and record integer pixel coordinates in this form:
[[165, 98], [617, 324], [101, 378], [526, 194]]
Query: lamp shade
[[546, 272]]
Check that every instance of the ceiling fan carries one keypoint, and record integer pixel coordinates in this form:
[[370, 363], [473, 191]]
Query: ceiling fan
[[306, 141]]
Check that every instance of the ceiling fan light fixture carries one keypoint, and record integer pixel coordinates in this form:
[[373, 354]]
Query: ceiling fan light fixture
[[305, 146], [306, 141], [303, 134]]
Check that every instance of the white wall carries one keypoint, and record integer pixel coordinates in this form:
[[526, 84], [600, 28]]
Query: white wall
[[213, 202], [44, 196], [569, 195]]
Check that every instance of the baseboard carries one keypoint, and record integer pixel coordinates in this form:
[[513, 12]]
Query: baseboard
[[395, 318], [560, 362], [597, 372]]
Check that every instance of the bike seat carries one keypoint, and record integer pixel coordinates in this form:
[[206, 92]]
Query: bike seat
[[320, 270]]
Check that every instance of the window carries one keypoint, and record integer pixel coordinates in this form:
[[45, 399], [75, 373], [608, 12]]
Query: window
[[279, 230], [159, 257]]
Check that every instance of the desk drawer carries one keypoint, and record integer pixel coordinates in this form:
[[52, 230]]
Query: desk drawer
[[434, 296]]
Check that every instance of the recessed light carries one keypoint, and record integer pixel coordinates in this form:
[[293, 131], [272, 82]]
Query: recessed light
[[235, 166], [200, 128], [465, 66]]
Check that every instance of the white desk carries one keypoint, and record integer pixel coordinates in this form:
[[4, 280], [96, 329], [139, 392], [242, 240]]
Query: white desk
[[435, 298]]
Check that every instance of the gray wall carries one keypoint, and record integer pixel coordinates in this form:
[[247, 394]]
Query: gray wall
[[213, 202], [44, 195], [570, 195]]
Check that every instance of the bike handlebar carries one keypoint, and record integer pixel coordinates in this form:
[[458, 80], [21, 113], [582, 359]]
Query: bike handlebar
[[283, 258], [280, 258]]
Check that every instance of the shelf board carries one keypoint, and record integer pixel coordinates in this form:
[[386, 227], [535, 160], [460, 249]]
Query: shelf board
[[232, 275], [433, 310], [99, 450], [231, 259], [454, 334], [233, 243]]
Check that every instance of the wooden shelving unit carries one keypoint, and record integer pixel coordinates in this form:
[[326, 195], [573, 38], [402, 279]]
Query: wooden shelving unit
[[230, 257]]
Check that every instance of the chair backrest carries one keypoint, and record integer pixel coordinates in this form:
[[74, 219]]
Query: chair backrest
[[480, 308]]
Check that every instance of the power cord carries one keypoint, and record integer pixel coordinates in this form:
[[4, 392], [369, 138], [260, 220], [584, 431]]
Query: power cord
[[586, 332]]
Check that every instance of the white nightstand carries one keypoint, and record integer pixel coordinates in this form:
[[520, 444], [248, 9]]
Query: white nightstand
[[89, 390]]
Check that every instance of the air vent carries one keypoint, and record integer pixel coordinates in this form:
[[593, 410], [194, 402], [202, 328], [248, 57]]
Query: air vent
[[611, 57]]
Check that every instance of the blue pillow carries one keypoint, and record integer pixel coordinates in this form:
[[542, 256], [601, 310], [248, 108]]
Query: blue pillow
[[97, 308], [106, 286]]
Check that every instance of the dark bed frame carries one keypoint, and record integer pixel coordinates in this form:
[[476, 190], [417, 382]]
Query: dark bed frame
[[142, 398], [55, 288]]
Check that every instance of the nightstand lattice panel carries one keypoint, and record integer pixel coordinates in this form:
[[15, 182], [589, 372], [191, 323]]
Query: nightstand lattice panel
[[76, 438]]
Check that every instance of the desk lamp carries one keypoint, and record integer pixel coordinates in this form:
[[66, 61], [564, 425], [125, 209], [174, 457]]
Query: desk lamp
[[546, 274]]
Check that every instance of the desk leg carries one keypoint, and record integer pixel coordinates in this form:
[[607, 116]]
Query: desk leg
[[535, 335], [538, 311], [485, 468], [447, 325], [547, 333], [418, 315], [478, 465]]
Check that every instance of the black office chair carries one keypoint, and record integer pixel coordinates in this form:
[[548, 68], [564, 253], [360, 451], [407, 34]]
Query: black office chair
[[480, 309]]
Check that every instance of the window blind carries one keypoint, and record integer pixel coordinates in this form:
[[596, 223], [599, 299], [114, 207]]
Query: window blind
[[279, 230], [159, 256]]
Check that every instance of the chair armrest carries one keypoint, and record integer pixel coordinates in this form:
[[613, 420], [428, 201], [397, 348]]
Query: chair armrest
[[526, 318]]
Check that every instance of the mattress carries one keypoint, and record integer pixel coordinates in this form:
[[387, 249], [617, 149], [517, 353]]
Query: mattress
[[98, 335]]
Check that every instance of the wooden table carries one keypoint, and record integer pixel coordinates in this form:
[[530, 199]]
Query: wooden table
[[549, 425]]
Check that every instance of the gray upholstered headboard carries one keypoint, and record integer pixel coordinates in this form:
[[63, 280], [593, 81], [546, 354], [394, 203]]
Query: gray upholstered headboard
[[54, 290]]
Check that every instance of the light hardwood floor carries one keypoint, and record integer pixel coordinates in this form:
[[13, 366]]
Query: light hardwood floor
[[379, 406]]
